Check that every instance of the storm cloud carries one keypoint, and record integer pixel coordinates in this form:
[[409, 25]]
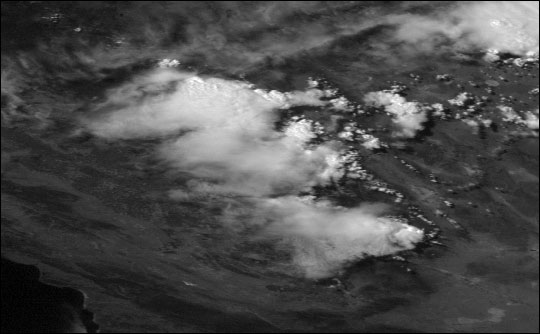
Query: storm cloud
[[225, 138]]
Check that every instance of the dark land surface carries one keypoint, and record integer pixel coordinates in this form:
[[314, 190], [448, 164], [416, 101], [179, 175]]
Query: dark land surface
[[93, 216]]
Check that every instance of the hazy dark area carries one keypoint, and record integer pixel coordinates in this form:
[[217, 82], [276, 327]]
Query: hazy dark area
[[270, 166]]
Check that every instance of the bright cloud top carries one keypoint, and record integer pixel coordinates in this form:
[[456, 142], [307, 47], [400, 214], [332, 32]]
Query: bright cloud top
[[327, 237], [507, 26], [229, 136], [408, 116], [224, 134]]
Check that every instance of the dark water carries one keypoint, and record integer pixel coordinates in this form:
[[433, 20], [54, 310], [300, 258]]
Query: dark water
[[29, 306]]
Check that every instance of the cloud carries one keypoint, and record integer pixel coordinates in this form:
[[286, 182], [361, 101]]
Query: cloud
[[507, 26], [164, 102], [228, 131], [327, 238], [10, 98], [408, 116], [247, 165], [222, 133], [531, 120]]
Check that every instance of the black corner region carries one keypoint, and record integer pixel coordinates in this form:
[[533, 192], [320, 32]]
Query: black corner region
[[30, 306]]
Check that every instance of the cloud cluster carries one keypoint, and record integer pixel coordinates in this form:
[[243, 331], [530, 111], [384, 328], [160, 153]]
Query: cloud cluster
[[506, 26], [528, 119], [408, 116], [227, 131], [224, 136], [238, 37], [222, 131], [327, 237]]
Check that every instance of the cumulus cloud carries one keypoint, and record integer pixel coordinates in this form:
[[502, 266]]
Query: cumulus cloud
[[223, 135], [165, 101], [242, 164], [408, 116], [229, 136], [507, 26], [326, 238], [303, 130], [531, 120]]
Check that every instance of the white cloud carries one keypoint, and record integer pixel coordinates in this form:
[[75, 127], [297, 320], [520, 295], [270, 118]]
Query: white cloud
[[341, 104], [509, 114], [146, 107], [508, 26], [372, 143], [303, 130], [531, 120], [247, 164], [462, 100], [327, 238], [225, 138], [164, 63], [230, 137], [408, 116]]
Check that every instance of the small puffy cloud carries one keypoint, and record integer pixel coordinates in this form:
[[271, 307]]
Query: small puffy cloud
[[531, 120], [341, 104], [372, 143], [302, 130], [509, 114], [408, 116], [462, 100], [164, 63]]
